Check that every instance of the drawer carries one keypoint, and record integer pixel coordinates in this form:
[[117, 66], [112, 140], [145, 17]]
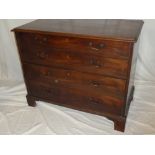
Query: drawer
[[72, 79], [49, 83], [76, 60], [106, 48], [74, 98]]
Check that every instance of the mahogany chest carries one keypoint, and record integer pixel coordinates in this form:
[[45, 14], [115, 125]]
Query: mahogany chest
[[86, 65]]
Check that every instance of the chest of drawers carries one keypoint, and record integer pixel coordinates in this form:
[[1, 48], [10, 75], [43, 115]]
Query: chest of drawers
[[86, 65]]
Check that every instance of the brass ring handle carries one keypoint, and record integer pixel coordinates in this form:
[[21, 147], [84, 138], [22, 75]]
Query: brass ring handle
[[102, 45], [95, 49]]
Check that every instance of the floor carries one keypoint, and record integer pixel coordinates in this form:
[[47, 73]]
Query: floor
[[18, 118]]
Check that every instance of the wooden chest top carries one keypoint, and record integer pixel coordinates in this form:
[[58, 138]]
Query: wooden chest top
[[115, 29]]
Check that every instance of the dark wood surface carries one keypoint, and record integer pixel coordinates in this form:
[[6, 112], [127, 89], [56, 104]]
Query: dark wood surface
[[108, 28], [100, 47], [72, 78], [54, 83], [86, 65], [73, 56]]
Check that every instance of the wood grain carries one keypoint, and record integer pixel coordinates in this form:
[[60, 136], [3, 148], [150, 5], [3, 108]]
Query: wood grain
[[74, 59], [113, 29], [101, 47], [86, 65], [64, 77]]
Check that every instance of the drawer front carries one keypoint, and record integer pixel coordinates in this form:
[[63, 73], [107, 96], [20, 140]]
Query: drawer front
[[106, 48], [74, 98], [76, 60], [68, 78], [100, 89]]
